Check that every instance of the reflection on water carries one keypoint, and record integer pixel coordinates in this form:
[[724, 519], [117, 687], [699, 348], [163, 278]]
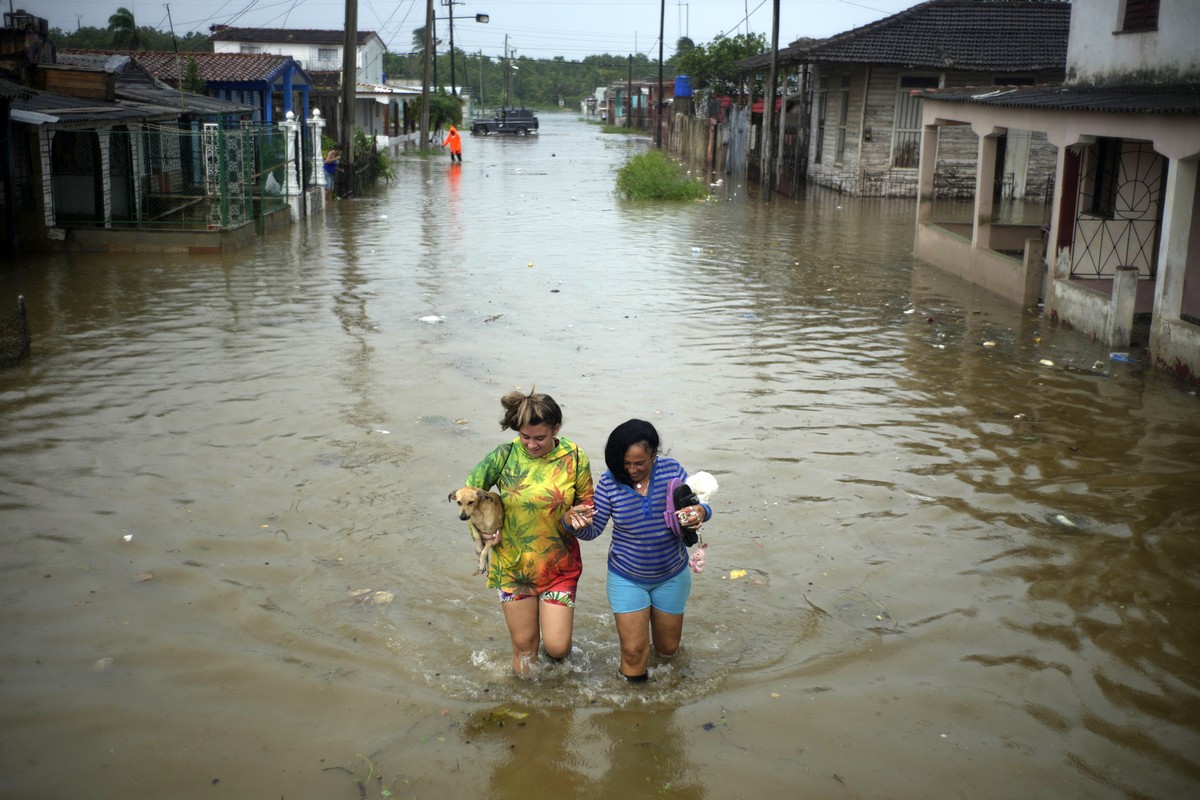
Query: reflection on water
[[933, 552]]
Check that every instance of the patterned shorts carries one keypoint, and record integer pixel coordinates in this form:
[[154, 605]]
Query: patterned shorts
[[554, 598]]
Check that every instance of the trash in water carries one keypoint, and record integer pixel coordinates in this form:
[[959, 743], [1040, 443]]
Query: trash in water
[[1124, 358], [734, 574], [142, 577], [989, 343], [432, 319], [128, 537], [367, 597], [1045, 362]]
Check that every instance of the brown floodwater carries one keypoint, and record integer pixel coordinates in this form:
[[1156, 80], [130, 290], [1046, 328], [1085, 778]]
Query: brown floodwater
[[939, 567]]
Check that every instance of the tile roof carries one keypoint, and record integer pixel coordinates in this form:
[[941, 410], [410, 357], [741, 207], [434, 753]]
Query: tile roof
[[218, 67], [1184, 99], [285, 35], [172, 67], [973, 35]]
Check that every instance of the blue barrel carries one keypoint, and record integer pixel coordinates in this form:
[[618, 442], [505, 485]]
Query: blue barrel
[[683, 86]]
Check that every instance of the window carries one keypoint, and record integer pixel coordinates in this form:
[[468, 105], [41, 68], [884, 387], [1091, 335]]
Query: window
[[906, 125], [843, 119], [1013, 80], [250, 49], [1140, 15], [1104, 174]]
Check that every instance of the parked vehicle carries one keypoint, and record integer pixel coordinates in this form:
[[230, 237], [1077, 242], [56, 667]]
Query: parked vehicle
[[517, 121]]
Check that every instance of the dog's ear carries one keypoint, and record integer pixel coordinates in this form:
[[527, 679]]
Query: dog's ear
[[480, 495], [453, 497]]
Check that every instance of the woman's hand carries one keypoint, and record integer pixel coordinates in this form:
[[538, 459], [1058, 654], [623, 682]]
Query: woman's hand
[[691, 517], [578, 517]]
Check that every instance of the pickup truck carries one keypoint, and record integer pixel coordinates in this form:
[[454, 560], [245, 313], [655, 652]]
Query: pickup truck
[[517, 121]]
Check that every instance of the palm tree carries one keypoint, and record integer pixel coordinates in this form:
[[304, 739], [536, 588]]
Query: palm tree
[[124, 29], [418, 42]]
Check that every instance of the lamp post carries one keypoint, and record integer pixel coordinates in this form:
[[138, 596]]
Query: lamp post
[[481, 18]]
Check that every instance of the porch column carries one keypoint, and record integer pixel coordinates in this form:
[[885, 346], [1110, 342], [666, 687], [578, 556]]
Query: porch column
[[291, 184], [105, 138], [985, 173], [927, 166], [287, 88], [1178, 211], [1118, 328], [317, 125], [138, 166], [46, 147]]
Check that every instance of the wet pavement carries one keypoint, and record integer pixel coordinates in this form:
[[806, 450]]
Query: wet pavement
[[939, 567]]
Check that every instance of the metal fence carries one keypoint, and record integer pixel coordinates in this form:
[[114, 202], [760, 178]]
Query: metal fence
[[202, 176]]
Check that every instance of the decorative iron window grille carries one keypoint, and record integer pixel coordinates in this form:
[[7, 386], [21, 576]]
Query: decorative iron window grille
[[1120, 187]]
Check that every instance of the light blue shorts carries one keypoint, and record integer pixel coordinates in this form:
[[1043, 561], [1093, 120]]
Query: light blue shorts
[[670, 596]]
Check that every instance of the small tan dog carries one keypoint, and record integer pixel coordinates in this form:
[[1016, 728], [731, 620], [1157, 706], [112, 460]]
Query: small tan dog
[[484, 513]]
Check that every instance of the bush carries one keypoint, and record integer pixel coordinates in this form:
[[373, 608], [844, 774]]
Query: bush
[[652, 176]]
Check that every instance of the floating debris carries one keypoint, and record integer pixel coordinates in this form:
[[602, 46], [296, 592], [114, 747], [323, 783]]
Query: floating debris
[[367, 597], [432, 319]]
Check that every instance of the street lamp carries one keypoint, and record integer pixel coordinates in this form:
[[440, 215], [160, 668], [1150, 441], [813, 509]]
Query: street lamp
[[481, 18]]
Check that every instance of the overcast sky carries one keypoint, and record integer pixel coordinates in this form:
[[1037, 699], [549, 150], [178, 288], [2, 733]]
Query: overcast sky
[[535, 28]]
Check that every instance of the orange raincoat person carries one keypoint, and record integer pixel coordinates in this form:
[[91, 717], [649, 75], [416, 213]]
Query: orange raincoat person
[[455, 142]]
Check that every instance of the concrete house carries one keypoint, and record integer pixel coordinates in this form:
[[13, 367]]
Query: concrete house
[[380, 110], [1123, 237], [851, 121]]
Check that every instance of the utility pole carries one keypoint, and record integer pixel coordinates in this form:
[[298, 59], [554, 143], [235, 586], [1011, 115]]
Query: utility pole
[[767, 170], [425, 78], [349, 81], [450, 4], [629, 93], [659, 105]]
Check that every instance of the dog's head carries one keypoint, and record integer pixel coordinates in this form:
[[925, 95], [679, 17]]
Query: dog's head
[[467, 498], [703, 484]]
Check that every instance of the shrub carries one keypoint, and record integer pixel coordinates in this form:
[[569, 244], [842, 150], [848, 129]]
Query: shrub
[[652, 176]]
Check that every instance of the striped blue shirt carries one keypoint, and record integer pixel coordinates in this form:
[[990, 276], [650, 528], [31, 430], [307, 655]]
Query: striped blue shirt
[[643, 547]]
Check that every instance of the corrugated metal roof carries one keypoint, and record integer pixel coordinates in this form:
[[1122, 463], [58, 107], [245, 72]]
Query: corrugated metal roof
[[10, 90], [43, 107], [1183, 99], [972, 35]]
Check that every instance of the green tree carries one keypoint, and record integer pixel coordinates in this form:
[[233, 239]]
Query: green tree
[[192, 82], [714, 66], [444, 110], [124, 29]]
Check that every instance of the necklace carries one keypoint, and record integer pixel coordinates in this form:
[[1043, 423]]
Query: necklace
[[639, 486]]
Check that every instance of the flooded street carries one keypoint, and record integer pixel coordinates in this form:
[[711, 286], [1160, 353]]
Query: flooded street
[[939, 567]]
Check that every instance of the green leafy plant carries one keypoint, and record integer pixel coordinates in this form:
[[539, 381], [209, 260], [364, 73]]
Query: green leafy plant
[[652, 176]]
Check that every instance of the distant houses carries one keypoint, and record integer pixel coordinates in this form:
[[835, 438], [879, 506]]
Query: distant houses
[[853, 122]]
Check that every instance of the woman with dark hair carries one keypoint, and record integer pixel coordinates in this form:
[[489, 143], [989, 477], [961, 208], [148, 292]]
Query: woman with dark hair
[[648, 578], [545, 482]]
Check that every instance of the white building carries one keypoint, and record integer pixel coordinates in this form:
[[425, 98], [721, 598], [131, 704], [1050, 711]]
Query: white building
[[1122, 239]]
